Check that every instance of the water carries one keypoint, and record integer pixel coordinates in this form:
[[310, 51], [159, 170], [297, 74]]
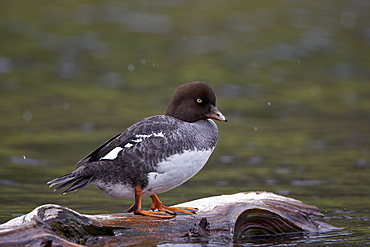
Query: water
[[292, 78]]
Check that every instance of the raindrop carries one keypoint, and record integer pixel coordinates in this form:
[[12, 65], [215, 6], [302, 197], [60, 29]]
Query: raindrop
[[153, 65], [269, 103], [27, 161], [255, 128], [27, 116], [143, 61], [131, 67]]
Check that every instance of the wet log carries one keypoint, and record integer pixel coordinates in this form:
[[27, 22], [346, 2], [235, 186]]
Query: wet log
[[241, 217]]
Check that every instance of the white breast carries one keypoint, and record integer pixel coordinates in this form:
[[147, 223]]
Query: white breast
[[175, 171]]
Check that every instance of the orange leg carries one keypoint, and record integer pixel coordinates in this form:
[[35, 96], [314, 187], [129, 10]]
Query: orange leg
[[157, 204], [137, 207]]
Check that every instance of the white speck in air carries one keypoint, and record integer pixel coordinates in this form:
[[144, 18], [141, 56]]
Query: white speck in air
[[131, 67]]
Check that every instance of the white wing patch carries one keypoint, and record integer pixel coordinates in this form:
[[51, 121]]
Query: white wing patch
[[112, 154], [128, 145], [160, 134], [143, 136], [140, 138]]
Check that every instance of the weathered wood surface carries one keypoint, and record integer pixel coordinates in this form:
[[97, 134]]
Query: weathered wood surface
[[241, 217]]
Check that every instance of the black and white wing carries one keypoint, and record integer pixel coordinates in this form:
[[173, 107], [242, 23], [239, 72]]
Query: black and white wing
[[145, 132]]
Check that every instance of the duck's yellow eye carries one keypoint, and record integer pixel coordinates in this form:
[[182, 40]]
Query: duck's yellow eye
[[199, 100]]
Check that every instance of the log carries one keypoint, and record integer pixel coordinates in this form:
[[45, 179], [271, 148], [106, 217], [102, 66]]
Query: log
[[242, 218]]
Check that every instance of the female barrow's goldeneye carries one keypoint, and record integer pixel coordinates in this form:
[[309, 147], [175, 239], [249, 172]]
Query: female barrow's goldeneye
[[154, 155]]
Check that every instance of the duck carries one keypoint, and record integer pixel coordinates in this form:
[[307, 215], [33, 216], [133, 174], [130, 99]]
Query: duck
[[154, 155]]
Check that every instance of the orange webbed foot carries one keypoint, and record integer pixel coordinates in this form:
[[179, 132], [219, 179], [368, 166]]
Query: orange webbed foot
[[136, 208], [157, 205], [159, 214]]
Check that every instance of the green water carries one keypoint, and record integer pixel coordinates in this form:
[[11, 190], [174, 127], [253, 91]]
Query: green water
[[292, 77]]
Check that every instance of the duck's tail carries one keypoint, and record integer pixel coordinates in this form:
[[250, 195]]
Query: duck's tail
[[72, 179]]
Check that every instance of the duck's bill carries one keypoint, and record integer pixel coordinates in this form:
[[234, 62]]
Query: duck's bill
[[216, 114]]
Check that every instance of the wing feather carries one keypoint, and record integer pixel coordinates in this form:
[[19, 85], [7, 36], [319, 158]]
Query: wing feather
[[143, 131]]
